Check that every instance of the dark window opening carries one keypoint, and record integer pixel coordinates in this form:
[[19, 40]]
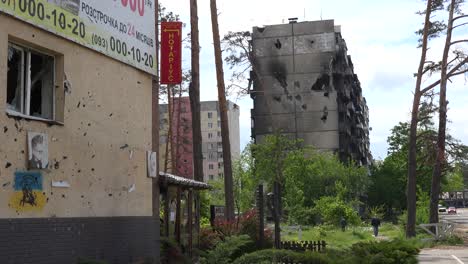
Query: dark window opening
[[30, 82]]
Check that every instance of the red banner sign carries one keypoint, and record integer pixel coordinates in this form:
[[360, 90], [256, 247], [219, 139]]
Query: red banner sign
[[171, 52]]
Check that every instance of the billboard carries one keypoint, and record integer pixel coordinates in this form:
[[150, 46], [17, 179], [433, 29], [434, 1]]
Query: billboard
[[171, 52], [121, 29]]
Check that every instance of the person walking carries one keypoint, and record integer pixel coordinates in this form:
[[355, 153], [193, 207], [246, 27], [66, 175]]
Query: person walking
[[343, 224], [375, 222]]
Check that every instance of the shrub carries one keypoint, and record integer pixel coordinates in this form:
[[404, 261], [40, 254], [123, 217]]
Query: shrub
[[268, 256], [171, 252], [303, 216], [332, 209], [90, 261], [452, 240], [397, 251], [208, 238], [229, 250]]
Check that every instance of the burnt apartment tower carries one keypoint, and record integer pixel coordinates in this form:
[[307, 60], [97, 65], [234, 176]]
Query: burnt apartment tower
[[304, 87]]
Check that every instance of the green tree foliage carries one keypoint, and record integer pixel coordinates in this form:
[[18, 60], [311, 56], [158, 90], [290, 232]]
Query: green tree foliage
[[332, 209], [306, 175], [389, 177], [244, 183], [454, 180]]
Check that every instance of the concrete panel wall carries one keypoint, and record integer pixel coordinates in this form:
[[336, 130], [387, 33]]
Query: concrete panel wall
[[313, 63], [314, 27], [326, 140], [315, 121], [100, 148], [317, 43], [276, 46], [282, 123]]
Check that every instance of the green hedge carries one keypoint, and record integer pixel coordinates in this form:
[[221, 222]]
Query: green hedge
[[229, 250], [282, 256], [386, 252], [397, 251]]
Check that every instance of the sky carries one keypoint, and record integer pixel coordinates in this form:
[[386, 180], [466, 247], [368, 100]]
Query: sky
[[381, 41]]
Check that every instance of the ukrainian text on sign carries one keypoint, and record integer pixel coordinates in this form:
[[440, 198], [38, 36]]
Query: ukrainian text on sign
[[171, 52], [121, 29]]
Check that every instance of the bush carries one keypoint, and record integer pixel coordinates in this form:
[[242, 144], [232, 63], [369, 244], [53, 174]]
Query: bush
[[90, 261], [332, 209], [171, 252], [269, 256], [229, 250], [208, 238], [397, 251], [303, 216], [452, 240]]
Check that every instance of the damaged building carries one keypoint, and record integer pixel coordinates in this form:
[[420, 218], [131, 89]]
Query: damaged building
[[304, 87]]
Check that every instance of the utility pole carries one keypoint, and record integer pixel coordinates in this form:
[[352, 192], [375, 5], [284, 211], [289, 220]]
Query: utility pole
[[228, 183]]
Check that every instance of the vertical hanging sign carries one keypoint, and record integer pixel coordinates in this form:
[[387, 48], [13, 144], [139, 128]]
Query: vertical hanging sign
[[171, 52]]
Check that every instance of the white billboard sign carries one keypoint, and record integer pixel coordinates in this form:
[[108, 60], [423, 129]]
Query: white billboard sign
[[121, 29]]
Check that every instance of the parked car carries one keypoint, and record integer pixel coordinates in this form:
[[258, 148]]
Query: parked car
[[452, 210], [442, 209]]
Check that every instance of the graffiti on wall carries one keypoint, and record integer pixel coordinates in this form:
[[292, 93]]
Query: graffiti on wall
[[28, 194]]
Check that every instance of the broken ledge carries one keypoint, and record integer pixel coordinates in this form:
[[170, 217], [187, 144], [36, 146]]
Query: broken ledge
[[14, 114]]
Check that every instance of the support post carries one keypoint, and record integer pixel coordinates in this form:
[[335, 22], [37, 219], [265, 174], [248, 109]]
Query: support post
[[261, 217], [178, 215], [277, 210]]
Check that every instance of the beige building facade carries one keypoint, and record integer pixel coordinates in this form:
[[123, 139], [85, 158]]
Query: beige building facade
[[94, 115], [211, 138]]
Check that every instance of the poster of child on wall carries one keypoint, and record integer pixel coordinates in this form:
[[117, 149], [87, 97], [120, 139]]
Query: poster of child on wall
[[38, 151]]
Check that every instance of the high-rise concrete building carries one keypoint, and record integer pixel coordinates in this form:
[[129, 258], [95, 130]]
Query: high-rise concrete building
[[211, 137], [305, 88]]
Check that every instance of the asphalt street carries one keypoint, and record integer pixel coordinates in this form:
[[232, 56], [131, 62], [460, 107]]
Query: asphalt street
[[450, 255]]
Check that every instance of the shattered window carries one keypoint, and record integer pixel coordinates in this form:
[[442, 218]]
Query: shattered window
[[15, 79], [30, 82]]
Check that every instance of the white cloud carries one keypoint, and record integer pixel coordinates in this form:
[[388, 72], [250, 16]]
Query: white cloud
[[380, 38]]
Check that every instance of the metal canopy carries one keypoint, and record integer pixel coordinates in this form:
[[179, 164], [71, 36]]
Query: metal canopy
[[181, 181]]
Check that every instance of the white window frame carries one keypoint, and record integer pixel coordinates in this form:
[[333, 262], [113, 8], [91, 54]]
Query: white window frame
[[26, 87]]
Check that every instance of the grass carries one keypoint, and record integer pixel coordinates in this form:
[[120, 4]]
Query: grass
[[334, 237], [338, 239]]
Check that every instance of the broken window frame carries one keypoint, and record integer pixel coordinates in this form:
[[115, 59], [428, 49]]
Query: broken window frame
[[26, 85]]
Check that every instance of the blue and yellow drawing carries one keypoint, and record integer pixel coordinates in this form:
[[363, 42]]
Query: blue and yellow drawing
[[28, 195]]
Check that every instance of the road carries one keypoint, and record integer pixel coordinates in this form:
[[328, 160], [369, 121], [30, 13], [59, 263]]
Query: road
[[449, 255]]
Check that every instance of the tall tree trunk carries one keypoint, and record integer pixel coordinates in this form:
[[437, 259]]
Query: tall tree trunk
[[155, 137], [440, 160], [194, 93], [228, 184], [411, 187]]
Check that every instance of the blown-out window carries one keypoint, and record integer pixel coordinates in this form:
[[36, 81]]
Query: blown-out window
[[30, 82]]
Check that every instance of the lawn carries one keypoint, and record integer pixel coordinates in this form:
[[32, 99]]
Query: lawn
[[334, 237], [338, 239]]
